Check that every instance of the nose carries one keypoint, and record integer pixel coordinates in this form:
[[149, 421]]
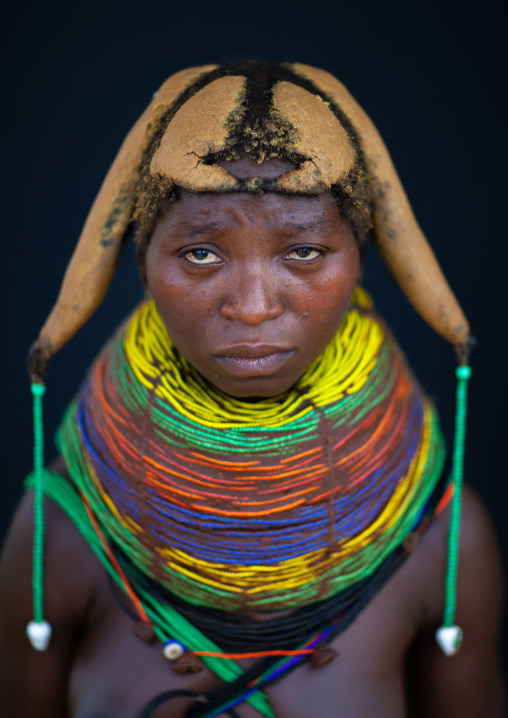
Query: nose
[[253, 297]]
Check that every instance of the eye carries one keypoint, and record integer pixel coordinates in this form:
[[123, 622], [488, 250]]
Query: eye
[[201, 256], [305, 253]]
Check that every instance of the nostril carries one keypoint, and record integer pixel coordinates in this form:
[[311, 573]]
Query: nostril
[[252, 308], [252, 315], [253, 295]]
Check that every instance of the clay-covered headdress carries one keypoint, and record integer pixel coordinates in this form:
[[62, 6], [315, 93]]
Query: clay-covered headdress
[[206, 114]]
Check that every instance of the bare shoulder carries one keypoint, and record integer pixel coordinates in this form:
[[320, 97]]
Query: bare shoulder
[[69, 564], [480, 563], [479, 572], [469, 683], [33, 683]]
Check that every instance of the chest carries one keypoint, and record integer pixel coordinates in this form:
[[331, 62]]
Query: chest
[[115, 675]]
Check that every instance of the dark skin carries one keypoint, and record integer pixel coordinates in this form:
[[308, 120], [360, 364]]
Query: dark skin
[[282, 272], [270, 279]]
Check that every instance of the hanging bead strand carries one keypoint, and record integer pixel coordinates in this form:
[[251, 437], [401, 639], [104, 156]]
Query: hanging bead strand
[[38, 630], [449, 636]]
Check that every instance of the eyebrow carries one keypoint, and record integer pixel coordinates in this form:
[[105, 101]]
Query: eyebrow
[[304, 226], [193, 229]]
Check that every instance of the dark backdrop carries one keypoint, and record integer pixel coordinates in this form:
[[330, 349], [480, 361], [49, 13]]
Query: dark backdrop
[[75, 77]]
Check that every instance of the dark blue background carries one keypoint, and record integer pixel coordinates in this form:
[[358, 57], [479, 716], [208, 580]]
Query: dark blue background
[[75, 77]]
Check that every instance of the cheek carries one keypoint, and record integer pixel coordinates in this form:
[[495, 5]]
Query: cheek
[[184, 305], [330, 294], [166, 288]]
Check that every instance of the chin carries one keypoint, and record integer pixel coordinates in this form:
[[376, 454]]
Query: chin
[[253, 388]]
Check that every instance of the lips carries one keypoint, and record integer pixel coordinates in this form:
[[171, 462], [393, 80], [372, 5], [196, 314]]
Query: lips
[[251, 360]]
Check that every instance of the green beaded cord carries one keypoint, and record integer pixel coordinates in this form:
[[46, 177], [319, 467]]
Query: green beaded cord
[[38, 630], [38, 391], [449, 636]]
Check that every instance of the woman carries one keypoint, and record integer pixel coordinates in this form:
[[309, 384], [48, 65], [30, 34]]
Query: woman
[[250, 458]]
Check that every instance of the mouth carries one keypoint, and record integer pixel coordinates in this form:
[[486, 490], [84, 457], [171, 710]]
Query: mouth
[[252, 361]]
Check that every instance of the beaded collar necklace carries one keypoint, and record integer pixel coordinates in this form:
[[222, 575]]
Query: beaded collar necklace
[[234, 505]]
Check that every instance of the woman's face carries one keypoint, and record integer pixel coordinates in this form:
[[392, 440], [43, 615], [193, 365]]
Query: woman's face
[[252, 289]]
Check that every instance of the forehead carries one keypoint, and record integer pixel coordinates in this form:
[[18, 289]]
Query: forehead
[[206, 212]]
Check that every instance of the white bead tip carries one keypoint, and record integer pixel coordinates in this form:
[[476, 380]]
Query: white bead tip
[[173, 650], [39, 634], [449, 639]]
